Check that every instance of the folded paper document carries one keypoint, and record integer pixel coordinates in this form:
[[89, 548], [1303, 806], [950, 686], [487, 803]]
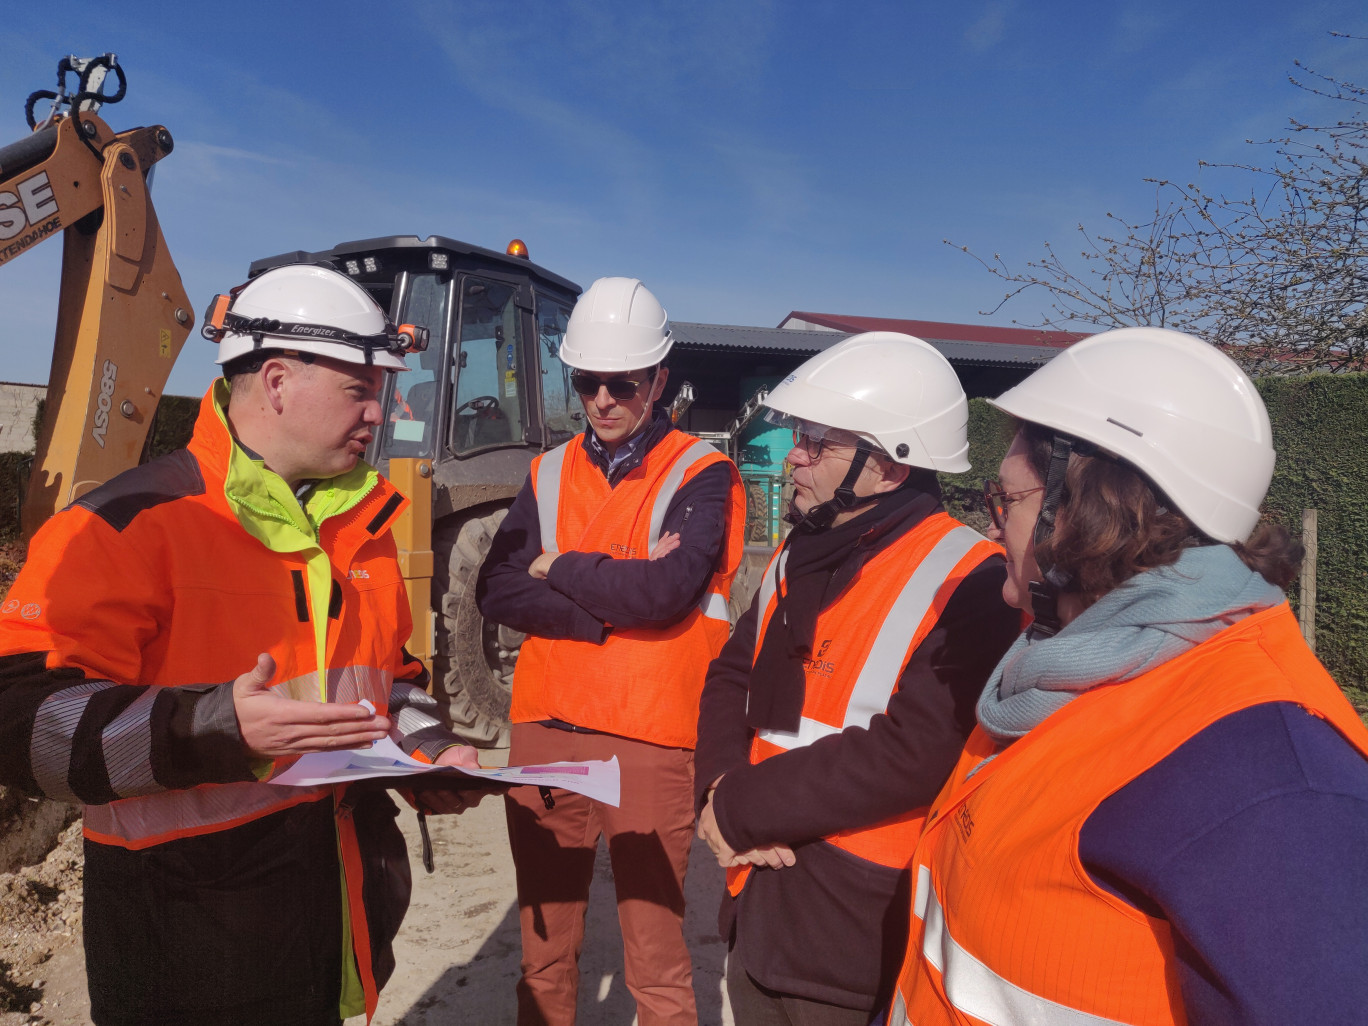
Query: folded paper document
[[597, 780]]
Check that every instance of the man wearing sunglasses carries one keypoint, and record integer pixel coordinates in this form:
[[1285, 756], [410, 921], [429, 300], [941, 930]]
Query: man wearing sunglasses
[[183, 632], [616, 558], [839, 706]]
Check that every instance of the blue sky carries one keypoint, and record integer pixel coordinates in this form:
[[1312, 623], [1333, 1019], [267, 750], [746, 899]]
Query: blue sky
[[743, 158]]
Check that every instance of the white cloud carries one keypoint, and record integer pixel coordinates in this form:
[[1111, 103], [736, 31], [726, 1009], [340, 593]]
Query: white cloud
[[991, 26]]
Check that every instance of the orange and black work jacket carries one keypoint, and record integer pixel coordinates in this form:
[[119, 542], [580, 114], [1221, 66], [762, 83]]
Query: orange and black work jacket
[[897, 660], [210, 893], [1009, 926], [640, 682]]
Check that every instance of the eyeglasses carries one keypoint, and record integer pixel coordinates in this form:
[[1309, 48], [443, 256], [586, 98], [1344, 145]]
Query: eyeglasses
[[999, 503], [620, 389], [812, 439], [810, 445]]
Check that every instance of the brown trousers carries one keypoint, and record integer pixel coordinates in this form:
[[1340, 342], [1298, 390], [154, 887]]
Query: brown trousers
[[648, 835]]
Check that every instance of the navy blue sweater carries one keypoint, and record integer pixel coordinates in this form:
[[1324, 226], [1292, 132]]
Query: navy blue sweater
[[1252, 840]]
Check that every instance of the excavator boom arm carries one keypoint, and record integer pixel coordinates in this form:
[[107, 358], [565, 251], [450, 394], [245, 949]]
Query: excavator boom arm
[[123, 314]]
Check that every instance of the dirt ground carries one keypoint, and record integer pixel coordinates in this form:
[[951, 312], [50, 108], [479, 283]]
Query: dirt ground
[[457, 952], [42, 973]]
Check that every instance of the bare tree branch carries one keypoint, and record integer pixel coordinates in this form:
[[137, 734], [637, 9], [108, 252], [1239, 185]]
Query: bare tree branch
[[1277, 276]]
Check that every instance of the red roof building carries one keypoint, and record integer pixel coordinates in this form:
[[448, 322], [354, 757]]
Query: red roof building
[[933, 331]]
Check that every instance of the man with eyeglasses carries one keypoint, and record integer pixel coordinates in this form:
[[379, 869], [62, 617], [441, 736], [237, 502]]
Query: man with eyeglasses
[[841, 703], [616, 559]]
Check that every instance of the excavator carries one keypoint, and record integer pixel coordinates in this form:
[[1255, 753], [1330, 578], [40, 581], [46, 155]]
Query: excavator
[[487, 396], [123, 314]]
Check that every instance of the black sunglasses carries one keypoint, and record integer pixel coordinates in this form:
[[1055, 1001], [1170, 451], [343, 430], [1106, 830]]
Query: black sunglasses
[[620, 389]]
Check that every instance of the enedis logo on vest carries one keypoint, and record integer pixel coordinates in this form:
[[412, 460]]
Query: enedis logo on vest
[[817, 666], [618, 551], [964, 823]]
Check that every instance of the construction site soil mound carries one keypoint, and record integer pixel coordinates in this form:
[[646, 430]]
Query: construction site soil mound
[[42, 978]]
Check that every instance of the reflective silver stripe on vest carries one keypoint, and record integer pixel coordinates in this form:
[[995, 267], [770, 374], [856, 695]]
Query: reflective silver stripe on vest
[[898, 1016], [766, 593], [346, 685], [714, 606], [670, 486], [194, 811], [879, 675], [975, 989], [127, 744], [412, 709], [53, 727], [548, 492]]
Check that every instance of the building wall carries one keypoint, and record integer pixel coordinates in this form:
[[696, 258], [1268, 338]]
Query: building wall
[[18, 407]]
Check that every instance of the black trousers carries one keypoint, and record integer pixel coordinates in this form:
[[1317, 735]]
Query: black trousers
[[754, 1005]]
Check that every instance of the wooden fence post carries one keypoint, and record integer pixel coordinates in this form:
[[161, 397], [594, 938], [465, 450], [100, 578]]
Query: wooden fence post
[[1307, 605]]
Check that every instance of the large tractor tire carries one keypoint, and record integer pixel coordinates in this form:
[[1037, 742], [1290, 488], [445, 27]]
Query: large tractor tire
[[473, 660]]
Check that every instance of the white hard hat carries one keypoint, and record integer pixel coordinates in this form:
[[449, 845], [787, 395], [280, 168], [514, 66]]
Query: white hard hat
[[617, 325], [1177, 409], [309, 309], [893, 389]]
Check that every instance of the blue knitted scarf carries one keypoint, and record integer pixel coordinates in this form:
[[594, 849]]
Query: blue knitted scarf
[[1137, 626]]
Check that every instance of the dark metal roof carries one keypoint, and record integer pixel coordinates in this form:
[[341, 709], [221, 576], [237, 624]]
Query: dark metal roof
[[993, 354], [944, 330], [735, 336], [689, 335]]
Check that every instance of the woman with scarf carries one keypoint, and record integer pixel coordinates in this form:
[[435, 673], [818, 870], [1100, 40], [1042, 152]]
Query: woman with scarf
[[841, 702], [1163, 814]]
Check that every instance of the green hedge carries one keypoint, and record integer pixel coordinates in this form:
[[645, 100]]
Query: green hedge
[[170, 431], [1320, 431], [990, 434], [174, 424]]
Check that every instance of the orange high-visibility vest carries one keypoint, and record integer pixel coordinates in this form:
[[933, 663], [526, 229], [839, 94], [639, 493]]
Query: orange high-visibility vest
[[855, 666], [242, 599], [247, 599], [642, 684], [1008, 926]]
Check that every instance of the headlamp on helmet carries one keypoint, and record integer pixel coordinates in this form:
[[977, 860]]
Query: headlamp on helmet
[[220, 321]]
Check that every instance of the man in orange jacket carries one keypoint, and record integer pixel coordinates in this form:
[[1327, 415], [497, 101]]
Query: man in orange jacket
[[839, 705], [616, 558], [183, 632]]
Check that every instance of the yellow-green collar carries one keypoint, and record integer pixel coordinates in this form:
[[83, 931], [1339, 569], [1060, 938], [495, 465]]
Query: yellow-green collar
[[266, 507], [269, 512]]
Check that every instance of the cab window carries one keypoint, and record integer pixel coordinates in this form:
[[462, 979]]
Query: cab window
[[562, 411], [489, 375], [413, 402]]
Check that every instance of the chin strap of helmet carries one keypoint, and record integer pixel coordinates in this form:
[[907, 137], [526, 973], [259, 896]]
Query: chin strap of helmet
[[649, 408], [820, 517], [1045, 593]]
